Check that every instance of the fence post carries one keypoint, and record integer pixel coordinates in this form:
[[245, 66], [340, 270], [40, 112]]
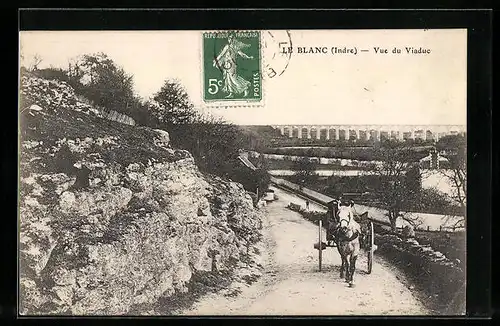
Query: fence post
[[319, 242], [440, 228], [428, 228]]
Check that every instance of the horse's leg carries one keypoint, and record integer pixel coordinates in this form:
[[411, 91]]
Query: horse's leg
[[352, 268], [342, 267], [347, 267]]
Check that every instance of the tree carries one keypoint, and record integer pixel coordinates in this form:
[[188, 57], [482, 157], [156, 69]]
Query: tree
[[341, 147], [304, 171], [213, 142], [251, 180], [434, 201], [174, 106], [258, 138], [99, 79], [217, 144], [35, 62], [455, 148], [398, 184]]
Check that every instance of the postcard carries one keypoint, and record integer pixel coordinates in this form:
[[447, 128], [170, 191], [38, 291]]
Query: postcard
[[242, 172]]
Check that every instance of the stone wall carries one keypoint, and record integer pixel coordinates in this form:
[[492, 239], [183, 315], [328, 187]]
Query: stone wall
[[118, 117], [441, 279]]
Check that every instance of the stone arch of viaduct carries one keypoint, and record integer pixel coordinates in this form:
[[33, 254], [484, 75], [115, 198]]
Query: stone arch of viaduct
[[367, 132]]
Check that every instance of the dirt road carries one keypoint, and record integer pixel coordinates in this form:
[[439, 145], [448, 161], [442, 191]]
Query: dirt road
[[292, 284]]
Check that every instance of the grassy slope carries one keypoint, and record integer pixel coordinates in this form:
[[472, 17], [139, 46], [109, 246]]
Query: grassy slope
[[134, 144]]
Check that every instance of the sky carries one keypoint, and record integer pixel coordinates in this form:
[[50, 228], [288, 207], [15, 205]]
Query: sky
[[366, 88]]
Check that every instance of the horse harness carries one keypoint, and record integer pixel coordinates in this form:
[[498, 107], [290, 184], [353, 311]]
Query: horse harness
[[355, 233]]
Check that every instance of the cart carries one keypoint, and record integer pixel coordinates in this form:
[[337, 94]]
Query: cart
[[367, 237]]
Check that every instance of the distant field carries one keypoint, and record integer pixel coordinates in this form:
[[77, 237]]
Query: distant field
[[290, 165], [355, 153]]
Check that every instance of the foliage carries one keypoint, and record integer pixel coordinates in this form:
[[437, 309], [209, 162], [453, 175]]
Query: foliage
[[36, 60], [52, 73], [107, 85], [335, 186], [443, 284], [251, 180], [173, 106], [398, 181], [258, 138], [286, 141], [304, 171], [342, 150], [213, 142], [435, 202], [455, 149]]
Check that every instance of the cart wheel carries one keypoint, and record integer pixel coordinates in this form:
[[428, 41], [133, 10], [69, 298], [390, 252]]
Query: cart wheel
[[371, 244], [320, 251]]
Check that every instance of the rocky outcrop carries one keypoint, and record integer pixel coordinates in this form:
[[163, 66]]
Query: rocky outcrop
[[112, 218], [52, 95]]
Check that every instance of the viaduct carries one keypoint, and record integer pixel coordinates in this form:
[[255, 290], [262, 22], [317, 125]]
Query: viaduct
[[367, 132]]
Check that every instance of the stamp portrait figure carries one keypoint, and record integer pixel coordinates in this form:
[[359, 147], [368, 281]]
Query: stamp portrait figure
[[226, 61]]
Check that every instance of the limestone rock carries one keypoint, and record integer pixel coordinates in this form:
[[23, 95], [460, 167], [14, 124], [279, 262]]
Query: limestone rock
[[163, 138], [35, 107], [139, 231], [52, 95]]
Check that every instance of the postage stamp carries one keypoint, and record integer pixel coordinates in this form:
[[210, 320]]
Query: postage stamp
[[232, 69]]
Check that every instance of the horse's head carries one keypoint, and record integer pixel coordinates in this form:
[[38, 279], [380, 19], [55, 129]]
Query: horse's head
[[347, 224], [344, 213]]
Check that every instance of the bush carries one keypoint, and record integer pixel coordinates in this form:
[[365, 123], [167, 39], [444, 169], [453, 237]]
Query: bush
[[313, 216], [347, 151], [442, 282], [251, 180], [52, 73], [435, 202], [103, 82]]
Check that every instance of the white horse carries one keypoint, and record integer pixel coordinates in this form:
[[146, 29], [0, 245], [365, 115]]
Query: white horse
[[347, 237]]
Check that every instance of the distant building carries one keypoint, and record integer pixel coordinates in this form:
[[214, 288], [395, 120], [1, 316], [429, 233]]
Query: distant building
[[433, 161]]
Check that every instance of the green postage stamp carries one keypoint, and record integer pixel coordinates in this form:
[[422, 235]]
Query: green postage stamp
[[232, 70]]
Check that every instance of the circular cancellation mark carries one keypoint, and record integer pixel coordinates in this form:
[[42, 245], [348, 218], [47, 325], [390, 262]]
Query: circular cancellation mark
[[275, 60]]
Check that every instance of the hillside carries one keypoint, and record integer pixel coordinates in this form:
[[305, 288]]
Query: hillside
[[112, 219]]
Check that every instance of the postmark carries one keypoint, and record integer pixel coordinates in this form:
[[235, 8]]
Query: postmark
[[232, 67], [275, 57]]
